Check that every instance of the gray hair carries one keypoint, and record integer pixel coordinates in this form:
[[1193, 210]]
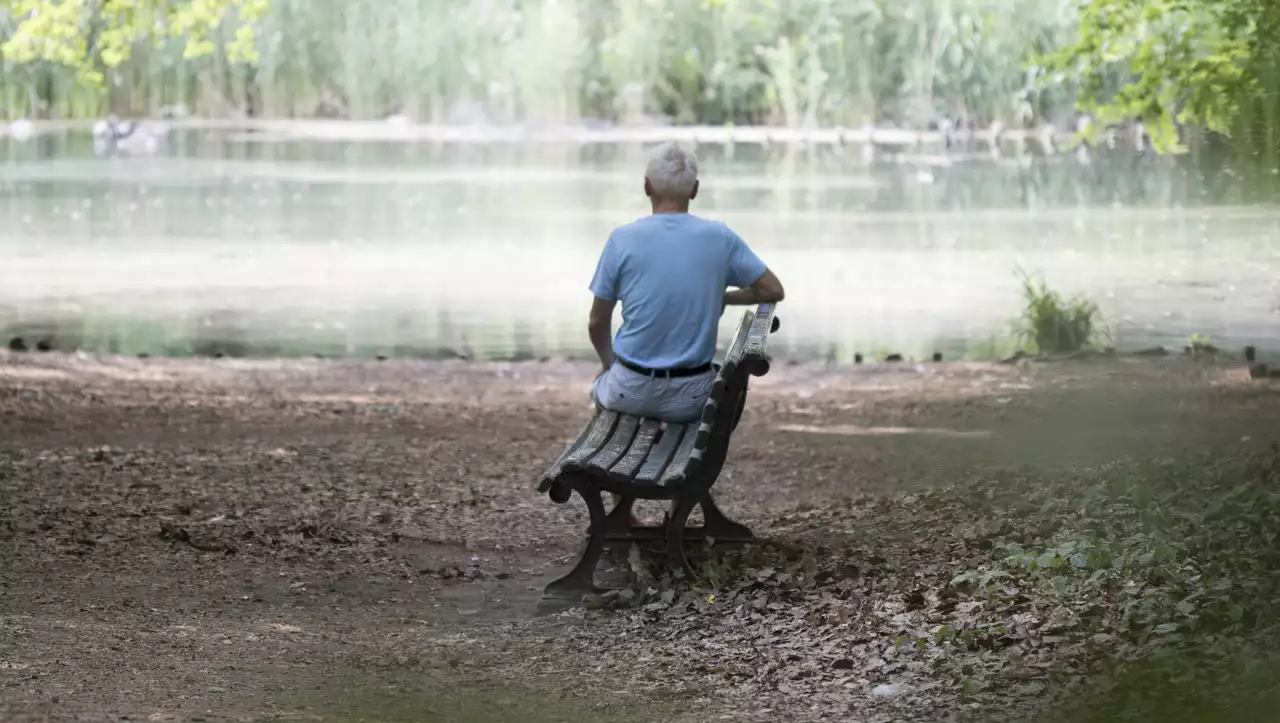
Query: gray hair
[[672, 171]]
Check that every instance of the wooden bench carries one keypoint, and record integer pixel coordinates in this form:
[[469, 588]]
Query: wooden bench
[[637, 458]]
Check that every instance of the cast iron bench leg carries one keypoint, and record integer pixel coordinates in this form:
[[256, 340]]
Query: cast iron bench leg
[[720, 527], [620, 515], [620, 534], [675, 533], [581, 580]]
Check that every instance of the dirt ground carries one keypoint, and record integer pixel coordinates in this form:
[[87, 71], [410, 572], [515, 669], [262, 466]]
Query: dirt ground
[[219, 540]]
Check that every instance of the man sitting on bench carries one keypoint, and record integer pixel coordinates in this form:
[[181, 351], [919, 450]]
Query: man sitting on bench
[[670, 270]]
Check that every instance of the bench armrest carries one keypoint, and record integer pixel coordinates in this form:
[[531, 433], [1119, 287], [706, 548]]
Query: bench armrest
[[754, 352]]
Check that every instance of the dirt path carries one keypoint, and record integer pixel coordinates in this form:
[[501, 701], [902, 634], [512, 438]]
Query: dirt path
[[222, 540]]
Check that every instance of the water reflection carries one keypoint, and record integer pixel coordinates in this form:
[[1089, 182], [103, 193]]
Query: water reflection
[[228, 244]]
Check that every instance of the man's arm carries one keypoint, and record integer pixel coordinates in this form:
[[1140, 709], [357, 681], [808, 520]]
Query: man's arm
[[766, 290], [756, 283], [604, 289], [600, 329]]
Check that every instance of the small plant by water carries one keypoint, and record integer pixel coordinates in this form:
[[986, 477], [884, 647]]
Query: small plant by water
[[1200, 345], [1056, 325]]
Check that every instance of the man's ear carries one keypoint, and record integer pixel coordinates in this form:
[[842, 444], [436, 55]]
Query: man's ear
[[695, 191], [648, 189]]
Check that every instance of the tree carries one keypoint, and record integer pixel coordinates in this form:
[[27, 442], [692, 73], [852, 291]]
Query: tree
[[1205, 63], [90, 36]]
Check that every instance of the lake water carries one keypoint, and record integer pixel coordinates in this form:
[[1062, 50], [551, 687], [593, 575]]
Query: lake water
[[240, 245]]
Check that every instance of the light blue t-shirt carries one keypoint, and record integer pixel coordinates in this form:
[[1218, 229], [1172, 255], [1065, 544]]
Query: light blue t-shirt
[[670, 271]]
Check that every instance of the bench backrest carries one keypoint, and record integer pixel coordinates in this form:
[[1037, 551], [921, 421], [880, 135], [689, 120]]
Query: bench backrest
[[745, 357]]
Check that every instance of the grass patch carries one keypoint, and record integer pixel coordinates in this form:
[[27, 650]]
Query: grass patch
[[1163, 573], [396, 698], [1053, 324], [1171, 687]]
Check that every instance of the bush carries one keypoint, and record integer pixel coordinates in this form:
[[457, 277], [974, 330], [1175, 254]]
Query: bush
[[1056, 325]]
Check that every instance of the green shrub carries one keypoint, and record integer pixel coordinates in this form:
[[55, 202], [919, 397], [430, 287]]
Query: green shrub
[[1056, 325]]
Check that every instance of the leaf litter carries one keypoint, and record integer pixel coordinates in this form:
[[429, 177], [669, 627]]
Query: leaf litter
[[1049, 587], [986, 597]]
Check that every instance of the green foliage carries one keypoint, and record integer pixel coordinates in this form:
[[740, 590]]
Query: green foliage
[[816, 62], [88, 37], [1168, 63], [1166, 569], [1206, 63], [1057, 325]]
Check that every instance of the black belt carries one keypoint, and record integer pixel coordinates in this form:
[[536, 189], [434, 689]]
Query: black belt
[[668, 373]]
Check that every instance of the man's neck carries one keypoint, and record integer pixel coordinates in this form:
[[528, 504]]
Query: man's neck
[[670, 207]]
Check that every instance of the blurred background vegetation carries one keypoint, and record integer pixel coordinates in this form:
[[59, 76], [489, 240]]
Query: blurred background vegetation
[[779, 62], [787, 62], [1207, 64]]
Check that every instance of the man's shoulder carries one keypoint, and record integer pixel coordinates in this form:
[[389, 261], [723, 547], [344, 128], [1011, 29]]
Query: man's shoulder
[[690, 224], [713, 228], [629, 229], [702, 222]]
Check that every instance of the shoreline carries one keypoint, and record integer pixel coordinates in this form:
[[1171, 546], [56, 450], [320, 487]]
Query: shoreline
[[396, 129], [790, 376], [19, 347]]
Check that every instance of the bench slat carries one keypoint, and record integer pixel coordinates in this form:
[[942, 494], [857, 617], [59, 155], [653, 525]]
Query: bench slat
[[617, 444], [718, 386], [626, 469], [709, 411], [652, 469], [686, 457], [733, 356], [601, 427], [553, 472]]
